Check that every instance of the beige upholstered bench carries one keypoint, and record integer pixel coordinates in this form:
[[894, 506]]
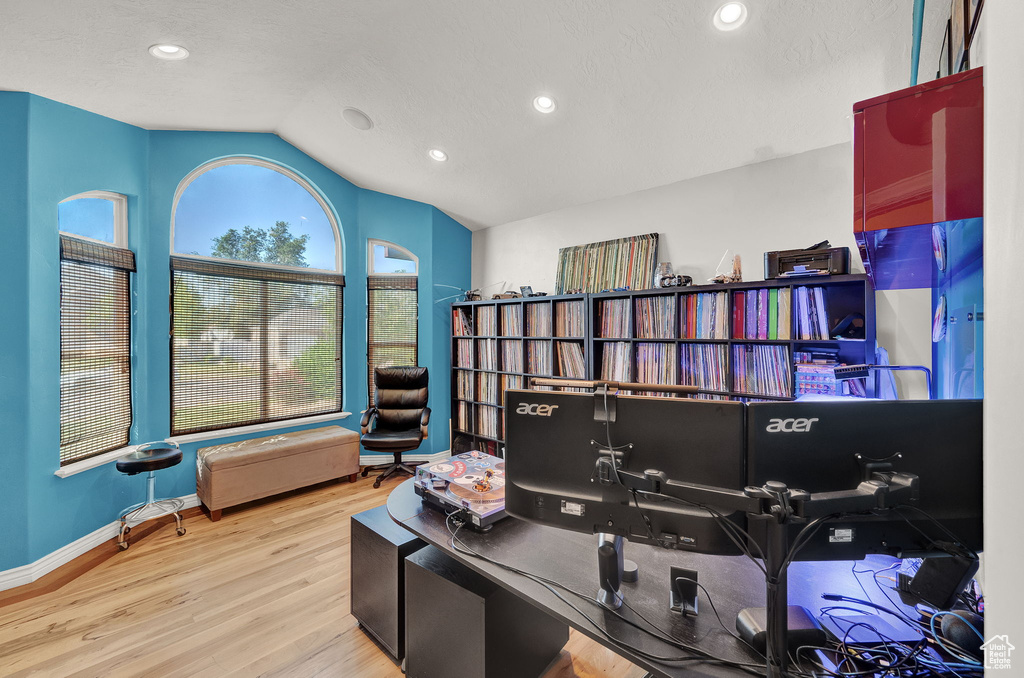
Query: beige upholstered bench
[[231, 474]]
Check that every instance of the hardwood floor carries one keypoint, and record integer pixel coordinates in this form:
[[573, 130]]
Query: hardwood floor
[[262, 592]]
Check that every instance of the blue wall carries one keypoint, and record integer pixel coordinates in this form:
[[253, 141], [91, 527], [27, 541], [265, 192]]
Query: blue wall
[[49, 151]]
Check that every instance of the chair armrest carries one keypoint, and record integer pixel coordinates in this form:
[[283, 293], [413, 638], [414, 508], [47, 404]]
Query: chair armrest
[[364, 423], [424, 420]]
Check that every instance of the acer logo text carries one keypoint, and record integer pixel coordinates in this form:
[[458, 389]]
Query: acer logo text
[[537, 410], [790, 425]]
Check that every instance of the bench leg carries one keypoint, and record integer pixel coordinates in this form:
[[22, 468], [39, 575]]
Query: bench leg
[[214, 516]]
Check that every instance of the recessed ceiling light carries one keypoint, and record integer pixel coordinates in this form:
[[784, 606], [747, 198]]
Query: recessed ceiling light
[[544, 103], [357, 118], [169, 52], [730, 16], [437, 154]]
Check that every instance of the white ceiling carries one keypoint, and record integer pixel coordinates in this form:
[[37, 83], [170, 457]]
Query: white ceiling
[[648, 92]]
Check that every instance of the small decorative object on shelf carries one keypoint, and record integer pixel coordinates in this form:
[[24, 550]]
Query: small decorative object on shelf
[[734, 277]]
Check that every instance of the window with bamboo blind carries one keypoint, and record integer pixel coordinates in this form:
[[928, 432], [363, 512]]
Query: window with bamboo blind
[[252, 345], [95, 343], [392, 309], [256, 300]]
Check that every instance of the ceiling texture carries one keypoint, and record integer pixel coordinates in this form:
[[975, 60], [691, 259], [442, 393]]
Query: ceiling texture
[[648, 91]]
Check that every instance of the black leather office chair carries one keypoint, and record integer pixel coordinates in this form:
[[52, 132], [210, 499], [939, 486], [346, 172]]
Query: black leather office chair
[[397, 421]]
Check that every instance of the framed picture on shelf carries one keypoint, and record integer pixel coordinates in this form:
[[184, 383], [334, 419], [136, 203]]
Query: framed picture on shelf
[[945, 58], [974, 8], [958, 33], [527, 290]]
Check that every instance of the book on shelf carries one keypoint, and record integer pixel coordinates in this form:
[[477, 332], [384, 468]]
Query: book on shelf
[[460, 323], [762, 369], [464, 385], [616, 361], [511, 355], [570, 360], [488, 421], [511, 320], [811, 313], [761, 314], [462, 416], [538, 319], [569, 318], [509, 381], [655, 317], [538, 357], [464, 353], [704, 315], [487, 354], [614, 317], [704, 366], [487, 388], [486, 324], [655, 364], [815, 373]]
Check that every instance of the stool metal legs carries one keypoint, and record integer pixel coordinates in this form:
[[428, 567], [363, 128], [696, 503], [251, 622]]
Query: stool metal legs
[[148, 510]]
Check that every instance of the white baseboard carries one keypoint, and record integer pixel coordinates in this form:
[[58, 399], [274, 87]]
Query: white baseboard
[[371, 459], [26, 574]]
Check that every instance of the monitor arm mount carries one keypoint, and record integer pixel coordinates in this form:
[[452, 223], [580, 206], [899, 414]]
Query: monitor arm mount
[[779, 507]]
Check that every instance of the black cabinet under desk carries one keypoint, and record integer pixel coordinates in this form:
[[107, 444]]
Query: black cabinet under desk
[[459, 623]]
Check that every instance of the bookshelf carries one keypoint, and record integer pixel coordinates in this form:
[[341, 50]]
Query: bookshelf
[[499, 344], [735, 341]]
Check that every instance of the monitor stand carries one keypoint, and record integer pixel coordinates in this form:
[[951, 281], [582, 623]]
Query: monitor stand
[[613, 569]]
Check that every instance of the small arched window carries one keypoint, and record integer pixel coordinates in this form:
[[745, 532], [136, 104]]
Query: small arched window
[[392, 308], [256, 298], [95, 325]]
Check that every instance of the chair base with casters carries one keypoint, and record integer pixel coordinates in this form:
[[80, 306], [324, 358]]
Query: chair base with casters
[[397, 466], [149, 458]]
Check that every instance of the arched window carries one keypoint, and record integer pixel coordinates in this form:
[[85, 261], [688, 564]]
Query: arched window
[[95, 325], [391, 308], [256, 298]]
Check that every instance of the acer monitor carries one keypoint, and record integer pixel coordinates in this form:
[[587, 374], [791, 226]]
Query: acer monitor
[[552, 448], [826, 447]]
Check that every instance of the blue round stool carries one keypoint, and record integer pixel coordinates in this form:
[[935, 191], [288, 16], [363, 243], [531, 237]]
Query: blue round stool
[[149, 458]]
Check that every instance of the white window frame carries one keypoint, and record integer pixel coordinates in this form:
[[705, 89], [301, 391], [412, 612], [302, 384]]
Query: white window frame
[[332, 218], [120, 216], [120, 240], [373, 242]]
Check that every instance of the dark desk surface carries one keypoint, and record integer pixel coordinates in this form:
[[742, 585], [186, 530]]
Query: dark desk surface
[[571, 559]]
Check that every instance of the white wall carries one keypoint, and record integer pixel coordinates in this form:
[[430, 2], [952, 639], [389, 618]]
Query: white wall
[[780, 204], [1004, 321]]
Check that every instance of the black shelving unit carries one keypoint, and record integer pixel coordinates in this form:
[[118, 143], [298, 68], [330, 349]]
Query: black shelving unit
[[528, 348], [843, 295], [527, 342]]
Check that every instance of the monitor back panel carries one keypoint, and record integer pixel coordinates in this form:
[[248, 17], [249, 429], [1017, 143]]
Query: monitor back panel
[[553, 444], [813, 446]]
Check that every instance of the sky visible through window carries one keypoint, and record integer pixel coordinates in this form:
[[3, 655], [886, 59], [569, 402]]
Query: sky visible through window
[[238, 195], [89, 217], [391, 260]]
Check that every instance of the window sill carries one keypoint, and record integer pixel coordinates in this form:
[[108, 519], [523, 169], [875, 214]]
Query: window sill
[[258, 428], [94, 462], [114, 455]]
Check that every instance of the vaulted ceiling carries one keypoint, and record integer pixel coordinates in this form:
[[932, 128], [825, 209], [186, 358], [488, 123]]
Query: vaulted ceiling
[[648, 92]]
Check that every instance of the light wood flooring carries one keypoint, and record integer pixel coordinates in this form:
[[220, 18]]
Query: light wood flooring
[[263, 592]]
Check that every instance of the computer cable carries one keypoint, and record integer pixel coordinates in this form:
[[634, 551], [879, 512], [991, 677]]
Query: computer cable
[[950, 647], [943, 643], [953, 538], [551, 585], [734, 532]]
